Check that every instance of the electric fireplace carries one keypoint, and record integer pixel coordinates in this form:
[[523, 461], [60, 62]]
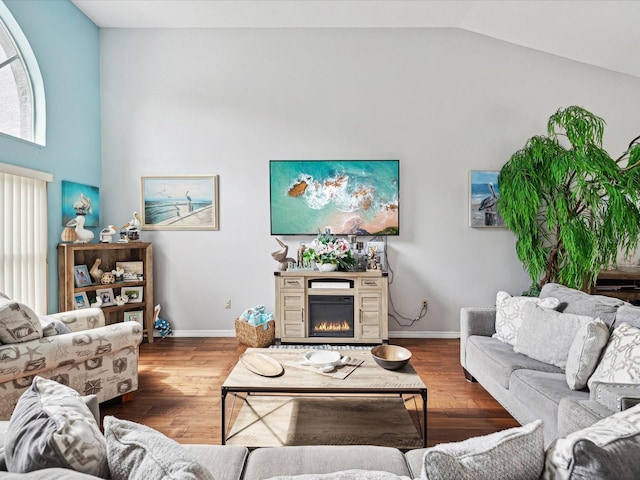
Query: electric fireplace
[[331, 316]]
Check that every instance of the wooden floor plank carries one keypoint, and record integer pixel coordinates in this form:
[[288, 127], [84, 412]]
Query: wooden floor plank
[[180, 379]]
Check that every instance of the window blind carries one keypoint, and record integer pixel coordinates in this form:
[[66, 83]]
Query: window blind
[[23, 229]]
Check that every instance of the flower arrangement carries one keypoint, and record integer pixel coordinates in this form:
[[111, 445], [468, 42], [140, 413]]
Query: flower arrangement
[[327, 249]]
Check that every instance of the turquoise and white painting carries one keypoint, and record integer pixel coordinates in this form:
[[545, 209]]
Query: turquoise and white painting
[[484, 193], [80, 199], [180, 203], [343, 197]]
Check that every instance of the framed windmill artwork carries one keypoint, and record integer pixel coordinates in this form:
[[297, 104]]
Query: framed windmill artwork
[[484, 193]]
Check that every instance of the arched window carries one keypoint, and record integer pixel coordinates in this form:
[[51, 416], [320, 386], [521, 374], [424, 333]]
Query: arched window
[[21, 90]]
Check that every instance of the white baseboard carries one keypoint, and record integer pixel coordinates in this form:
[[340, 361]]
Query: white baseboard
[[232, 333]]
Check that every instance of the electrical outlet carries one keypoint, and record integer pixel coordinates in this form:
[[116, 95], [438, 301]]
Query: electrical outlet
[[424, 303], [227, 303]]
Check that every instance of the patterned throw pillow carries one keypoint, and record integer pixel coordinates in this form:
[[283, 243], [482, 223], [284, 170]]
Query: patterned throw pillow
[[138, 452], [516, 453], [52, 426], [509, 314], [608, 449], [620, 362], [18, 323]]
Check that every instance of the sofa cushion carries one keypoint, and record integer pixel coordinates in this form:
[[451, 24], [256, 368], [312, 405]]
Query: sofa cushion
[[509, 314], [628, 314], [574, 415], [18, 323], [320, 459], [546, 335], [495, 456], [225, 462], [610, 448], [581, 303], [51, 426], [498, 360], [584, 353], [543, 392], [138, 452], [620, 362]]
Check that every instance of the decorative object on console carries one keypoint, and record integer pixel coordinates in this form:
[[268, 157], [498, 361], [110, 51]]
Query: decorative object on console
[[160, 324], [121, 300], [280, 256], [328, 249], [484, 193], [97, 303], [107, 278], [68, 235], [346, 196], [572, 212], [82, 234], [180, 202], [95, 271], [107, 233]]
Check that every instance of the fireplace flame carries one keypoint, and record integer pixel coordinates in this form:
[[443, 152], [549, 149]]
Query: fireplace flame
[[325, 326]]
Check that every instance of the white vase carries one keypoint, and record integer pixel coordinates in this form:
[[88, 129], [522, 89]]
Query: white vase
[[327, 267]]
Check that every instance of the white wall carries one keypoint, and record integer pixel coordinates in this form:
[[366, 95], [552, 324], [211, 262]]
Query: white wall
[[225, 102]]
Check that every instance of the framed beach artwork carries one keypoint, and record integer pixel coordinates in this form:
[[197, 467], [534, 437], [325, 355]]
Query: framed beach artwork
[[180, 202], [80, 199], [484, 193]]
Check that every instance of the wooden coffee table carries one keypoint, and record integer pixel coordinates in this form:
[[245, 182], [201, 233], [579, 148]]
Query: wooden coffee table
[[368, 380]]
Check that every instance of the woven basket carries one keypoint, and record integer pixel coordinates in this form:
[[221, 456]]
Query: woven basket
[[255, 336]]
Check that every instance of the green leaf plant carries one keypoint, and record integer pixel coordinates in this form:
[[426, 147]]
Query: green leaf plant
[[571, 206]]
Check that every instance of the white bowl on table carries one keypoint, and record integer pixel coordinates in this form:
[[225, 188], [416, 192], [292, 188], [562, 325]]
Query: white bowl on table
[[325, 360]]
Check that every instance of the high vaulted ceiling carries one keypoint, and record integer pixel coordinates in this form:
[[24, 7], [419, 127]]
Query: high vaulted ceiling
[[604, 33]]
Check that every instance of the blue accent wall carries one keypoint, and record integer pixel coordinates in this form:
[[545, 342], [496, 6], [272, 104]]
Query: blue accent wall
[[67, 47]]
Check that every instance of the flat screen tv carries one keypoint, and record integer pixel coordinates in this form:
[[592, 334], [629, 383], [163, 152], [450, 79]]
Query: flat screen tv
[[344, 197]]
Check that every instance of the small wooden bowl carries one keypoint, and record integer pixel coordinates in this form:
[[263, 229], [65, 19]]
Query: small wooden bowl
[[391, 357]]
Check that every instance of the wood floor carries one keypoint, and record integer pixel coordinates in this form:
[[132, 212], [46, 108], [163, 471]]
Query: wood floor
[[180, 378]]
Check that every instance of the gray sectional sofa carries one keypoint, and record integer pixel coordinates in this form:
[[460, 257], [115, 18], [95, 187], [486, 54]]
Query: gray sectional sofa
[[531, 389]]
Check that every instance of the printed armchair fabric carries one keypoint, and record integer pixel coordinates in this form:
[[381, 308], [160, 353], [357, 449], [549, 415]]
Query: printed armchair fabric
[[92, 359]]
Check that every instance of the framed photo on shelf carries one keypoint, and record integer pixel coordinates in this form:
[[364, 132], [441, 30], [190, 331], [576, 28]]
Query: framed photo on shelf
[[134, 294], [106, 294], [134, 316], [81, 276], [80, 300], [187, 202]]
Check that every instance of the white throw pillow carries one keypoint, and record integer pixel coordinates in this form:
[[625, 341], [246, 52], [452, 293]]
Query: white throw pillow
[[620, 362], [584, 353], [509, 314], [138, 452], [516, 453]]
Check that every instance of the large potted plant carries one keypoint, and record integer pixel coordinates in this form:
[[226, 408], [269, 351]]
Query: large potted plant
[[570, 204]]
